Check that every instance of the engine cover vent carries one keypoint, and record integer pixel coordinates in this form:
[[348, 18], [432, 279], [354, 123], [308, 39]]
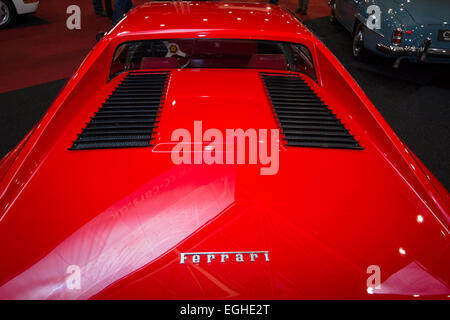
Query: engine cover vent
[[129, 116], [303, 117]]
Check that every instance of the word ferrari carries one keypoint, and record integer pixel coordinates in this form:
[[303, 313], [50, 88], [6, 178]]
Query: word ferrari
[[238, 256]]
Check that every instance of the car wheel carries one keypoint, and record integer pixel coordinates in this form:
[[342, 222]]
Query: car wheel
[[332, 16], [359, 51], [7, 13]]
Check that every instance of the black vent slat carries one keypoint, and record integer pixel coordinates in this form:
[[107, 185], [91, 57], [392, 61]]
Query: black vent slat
[[295, 103], [277, 87], [140, 82], [140, 89], [305, 120], [144, 78], [298, 85], [300, 112], [113, 138], [122, 124], [292, 96], [101, 127], [140, 76], [132, 103], [137, 81], [133, 92], [317, 133], [116, 132], [123, 121], [295, 99], [308, 117], [333, 145], [300, 108], [330, 122], [142, 85], [131, 108], [128, 112], [295, 95], [110, 144], [146, 75], [124, 118], [320, 138], [129, 116], [135, 97], [313, 127], [119, 117], [130, 94]]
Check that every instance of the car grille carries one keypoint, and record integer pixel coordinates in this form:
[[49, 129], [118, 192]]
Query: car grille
[[304, 119], [129, 116]]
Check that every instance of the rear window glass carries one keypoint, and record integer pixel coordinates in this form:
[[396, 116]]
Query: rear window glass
[[212, 53]]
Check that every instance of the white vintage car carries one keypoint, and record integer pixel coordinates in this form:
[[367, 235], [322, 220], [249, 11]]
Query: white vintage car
[[10, 9]]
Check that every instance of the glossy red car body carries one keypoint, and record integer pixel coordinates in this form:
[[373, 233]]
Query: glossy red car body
[[124, 216]]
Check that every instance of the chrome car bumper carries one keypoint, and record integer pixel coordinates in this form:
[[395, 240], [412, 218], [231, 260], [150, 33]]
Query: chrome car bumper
[[413, 51], [421, 52]]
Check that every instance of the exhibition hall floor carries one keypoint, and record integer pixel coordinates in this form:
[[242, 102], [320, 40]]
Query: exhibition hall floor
[[39, 54]]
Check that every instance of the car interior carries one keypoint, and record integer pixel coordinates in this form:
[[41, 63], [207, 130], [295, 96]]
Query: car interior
[[212, 53]]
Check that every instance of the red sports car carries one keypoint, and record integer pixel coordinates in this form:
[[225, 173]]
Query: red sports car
[[212, 150]]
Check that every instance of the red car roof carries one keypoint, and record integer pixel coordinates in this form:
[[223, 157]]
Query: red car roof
[[203, 19]]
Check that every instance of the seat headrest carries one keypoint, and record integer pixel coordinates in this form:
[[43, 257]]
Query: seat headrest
[[159, 63], [267, 61]]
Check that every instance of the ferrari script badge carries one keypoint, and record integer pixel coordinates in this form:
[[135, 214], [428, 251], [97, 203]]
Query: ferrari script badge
[[222, 257]]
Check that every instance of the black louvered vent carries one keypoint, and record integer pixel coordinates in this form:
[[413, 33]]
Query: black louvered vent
[[303, 117], [129, 117]]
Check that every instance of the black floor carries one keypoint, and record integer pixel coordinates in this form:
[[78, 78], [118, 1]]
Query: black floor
[[415, 101], [27, 21], [21, 109]]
